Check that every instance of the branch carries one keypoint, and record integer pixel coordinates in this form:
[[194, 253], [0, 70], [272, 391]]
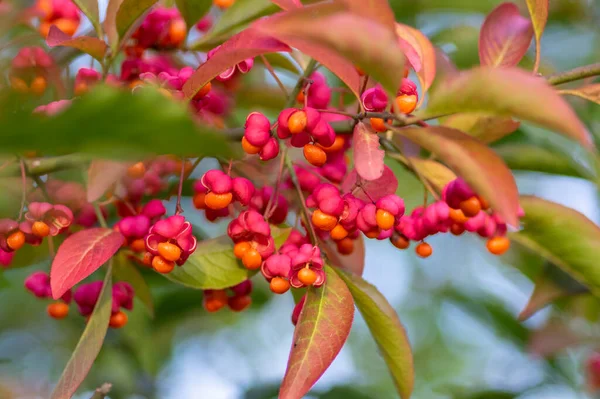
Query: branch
[[40, 167], [574, 74], [102, 391]]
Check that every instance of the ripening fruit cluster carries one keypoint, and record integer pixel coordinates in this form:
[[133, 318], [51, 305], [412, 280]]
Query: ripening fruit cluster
[[85, 297]]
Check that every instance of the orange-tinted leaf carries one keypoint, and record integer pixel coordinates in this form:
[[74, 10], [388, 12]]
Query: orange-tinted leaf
[[425, 64], [507, 92], [347, 41], [89, 45], [355, 262], [538, 9], [484, 127], [288, 4], [483, 170], [505, 37], [80, 255], [434, 172], [247, 44], [551, 284], [368, 156], [89, 344], [101, 176], [323, 327], [110, 23], [376, 10], [387, 331], [590, 92]]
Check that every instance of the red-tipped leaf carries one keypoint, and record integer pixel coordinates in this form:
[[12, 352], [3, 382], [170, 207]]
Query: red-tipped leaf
[[80, 255], [89, 45], [323, 327], [247, 44]]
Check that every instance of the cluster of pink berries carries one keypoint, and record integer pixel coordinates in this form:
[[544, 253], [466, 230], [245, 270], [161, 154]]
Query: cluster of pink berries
[[85, 296]]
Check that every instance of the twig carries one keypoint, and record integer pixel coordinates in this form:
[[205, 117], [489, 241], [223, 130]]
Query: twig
[[99, 215], [305, 213], [272, 204], [272, 72], [574, 74], [178, 208], [24, 187], [300, 83], [102, 391]]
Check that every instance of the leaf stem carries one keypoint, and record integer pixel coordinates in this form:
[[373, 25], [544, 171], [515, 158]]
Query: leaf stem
[[100, 216], [102, 391], [578, 73], [273, 74]]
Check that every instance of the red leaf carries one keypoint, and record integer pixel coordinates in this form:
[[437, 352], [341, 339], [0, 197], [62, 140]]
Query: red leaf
[[346, 42], [89, 45], [590, 92], [287, 4], [505, 37], [322, 330], [420, 53], [355, 262], [80, 255], [246, 44], [386, 184], [376, 10], [101, 175], [368, 157]]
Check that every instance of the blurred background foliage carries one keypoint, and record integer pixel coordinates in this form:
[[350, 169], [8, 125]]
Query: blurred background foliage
[[460, 306]]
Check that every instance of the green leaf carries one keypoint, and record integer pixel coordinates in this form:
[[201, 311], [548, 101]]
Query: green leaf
[[482, 169], [486, 128], [129, 12], [386, 329], [112, 123], [537, 159], [551, 284], [434, 172], [90, 9], [213, 265], [89, 344], [193, 10], [240, 13], [126, 270], [564, 237], [323, 327], [507, 92]]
